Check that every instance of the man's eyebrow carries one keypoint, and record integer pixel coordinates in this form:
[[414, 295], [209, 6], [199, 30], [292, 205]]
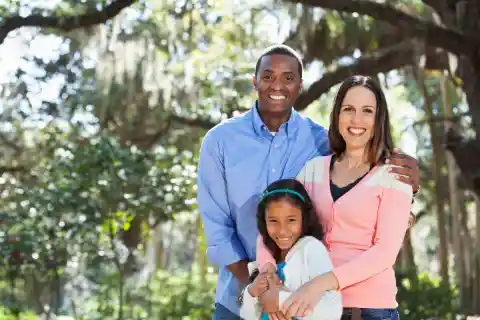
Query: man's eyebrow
[[285, 72]]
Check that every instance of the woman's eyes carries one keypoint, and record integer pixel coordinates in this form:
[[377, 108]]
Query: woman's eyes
[[348, 109]]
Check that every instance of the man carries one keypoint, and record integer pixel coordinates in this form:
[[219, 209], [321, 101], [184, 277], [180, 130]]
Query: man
[[242, 155]]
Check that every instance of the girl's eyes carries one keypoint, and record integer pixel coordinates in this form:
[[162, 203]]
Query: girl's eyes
[[273, 220]]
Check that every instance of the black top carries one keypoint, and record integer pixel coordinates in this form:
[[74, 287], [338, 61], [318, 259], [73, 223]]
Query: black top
[[337, 191]]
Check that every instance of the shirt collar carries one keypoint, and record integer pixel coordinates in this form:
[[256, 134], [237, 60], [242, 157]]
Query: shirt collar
[[261, 129]]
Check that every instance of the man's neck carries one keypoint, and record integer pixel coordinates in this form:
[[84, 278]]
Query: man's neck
[[273, 121]]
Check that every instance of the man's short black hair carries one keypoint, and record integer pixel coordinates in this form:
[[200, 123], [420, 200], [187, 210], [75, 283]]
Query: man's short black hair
[[283, 50]]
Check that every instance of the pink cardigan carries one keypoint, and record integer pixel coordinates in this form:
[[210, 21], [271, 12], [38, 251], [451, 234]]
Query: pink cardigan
[[364, 230]]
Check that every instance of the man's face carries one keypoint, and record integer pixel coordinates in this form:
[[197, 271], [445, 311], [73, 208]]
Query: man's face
[[278, 83]]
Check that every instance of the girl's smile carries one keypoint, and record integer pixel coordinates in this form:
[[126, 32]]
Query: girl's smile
[[284, 223]]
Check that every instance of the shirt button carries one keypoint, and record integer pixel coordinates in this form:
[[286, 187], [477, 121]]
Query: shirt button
[[276, 145], [273, 170]]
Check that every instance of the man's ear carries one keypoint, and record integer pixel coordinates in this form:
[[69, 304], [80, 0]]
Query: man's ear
[[301, 85], [254, 80]]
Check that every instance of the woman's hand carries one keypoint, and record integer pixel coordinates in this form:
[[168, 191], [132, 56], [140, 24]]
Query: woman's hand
[[302, 302]]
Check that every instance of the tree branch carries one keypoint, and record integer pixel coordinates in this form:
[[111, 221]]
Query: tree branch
[[438, 36], [392, 58], [194, 122], [66, 23], [10, 144], [454, 118], [11, 169]]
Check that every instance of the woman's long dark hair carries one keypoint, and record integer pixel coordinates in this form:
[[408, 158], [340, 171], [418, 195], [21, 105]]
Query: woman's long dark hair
[[381, 144], [310, 222]]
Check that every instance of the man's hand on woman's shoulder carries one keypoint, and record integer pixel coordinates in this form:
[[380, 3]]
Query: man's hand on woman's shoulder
[[406, 168]]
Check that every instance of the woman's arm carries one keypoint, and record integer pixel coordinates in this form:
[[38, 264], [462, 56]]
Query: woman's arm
[[317, 262], [392, 223], [265, 260]]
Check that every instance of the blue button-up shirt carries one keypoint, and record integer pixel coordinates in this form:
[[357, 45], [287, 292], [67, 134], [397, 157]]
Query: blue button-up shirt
[[239, 158]]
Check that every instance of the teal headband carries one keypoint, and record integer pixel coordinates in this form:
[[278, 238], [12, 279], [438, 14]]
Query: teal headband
[[295, 193]]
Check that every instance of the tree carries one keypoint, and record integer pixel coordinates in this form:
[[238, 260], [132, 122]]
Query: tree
[[427, 28], [63, 21]]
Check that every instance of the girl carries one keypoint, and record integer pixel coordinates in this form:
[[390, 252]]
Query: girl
[[364, 206], [289, 227]]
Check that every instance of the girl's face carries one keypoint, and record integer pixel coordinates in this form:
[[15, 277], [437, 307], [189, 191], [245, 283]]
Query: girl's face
[[284, 223]]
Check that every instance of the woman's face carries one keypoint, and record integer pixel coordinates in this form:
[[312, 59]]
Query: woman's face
[[356, 120]]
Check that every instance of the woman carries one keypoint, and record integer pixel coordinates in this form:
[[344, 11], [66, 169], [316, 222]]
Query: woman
[[363, 207]]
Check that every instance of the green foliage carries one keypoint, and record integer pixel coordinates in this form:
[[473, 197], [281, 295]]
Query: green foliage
[[94, 188], [425, 299], [6, 314], [165, 296], [79, 206]]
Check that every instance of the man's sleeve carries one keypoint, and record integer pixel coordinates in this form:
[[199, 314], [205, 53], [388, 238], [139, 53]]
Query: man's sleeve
[[223, 245], [322, 143]]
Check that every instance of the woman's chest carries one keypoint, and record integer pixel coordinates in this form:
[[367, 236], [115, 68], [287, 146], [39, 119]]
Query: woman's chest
[[356, 207]]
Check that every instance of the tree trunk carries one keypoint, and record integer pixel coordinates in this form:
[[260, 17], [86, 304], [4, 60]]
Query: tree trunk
[[406, 262], [437, 173], [159, 247], [201, 252], [458, 237], [476, 266]]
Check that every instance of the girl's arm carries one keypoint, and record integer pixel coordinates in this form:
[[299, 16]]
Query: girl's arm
[[250, 308]]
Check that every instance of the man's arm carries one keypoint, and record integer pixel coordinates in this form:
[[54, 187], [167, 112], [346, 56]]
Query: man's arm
[[223, 246], [240, 271]]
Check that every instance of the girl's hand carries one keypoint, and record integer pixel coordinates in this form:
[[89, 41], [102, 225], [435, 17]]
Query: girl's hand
[[269, 268], [259, 285], [269, 299]]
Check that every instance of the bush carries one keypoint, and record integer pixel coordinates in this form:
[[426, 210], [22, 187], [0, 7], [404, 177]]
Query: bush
[[425, 299]]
